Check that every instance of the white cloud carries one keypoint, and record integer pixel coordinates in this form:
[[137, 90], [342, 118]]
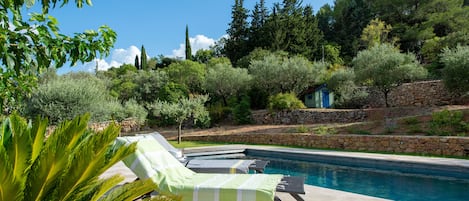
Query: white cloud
[[197, 43], [118, 57]]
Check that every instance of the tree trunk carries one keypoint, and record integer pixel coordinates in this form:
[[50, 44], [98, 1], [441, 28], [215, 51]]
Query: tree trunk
[[386, 98], [179, 133]]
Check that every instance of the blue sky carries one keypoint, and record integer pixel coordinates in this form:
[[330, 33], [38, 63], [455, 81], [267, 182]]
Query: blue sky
[[159, 25]]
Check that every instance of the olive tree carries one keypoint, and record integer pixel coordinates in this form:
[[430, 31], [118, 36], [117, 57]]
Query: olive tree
[[276, 74], [181, 111], [385, 67], [224, 81], [71, 95], [347, 93], [456, 69], [27, 46]]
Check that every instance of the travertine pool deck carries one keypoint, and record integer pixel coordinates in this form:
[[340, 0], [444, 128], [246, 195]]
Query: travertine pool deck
[[315, 193]]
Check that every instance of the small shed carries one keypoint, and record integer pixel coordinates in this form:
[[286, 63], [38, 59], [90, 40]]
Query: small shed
[[319, 97]]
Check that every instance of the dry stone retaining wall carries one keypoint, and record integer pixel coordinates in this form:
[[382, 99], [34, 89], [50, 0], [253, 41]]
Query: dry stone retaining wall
[[127, 125], [320, 116], [442, 146], [420, 94]]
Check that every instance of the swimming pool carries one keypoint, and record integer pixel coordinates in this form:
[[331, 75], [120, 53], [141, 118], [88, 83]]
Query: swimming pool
[[384, 179], [378, 183]]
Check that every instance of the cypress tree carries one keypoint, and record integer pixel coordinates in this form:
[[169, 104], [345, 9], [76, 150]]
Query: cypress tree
[[143, 58], [188, 45], [137, 64]]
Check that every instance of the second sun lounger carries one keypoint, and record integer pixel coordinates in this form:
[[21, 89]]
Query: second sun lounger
[[211, 166], [152, 161]]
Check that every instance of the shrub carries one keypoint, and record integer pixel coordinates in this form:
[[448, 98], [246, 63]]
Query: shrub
[[456, 69], [411, 121], [412, 124], [447, 123], [242, 112], [358, 131], [218, 112], [72, 95], [134, 110], [302, 129], [285, 101], [324, 130]]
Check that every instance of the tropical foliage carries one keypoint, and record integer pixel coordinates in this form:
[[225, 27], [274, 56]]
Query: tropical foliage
[[65, 165]]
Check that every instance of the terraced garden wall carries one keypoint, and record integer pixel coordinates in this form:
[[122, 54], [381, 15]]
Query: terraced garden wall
[[315, 116], [440, 146], [420, 94]]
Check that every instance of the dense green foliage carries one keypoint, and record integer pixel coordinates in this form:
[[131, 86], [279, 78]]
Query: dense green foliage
[[187, 73], [285, 101], [456, 69], [29, 46], [420, 27], [385, 68], [32, 168]]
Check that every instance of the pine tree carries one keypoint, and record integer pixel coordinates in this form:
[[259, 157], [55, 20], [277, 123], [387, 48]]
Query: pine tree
[[236, 44], [137, 63], [143, 58], [257, 30], [188, 45]]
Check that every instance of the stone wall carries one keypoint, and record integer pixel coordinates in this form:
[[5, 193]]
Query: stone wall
[[439, 146], [420, 94], [127, 125], [308, 116], [320, 116]]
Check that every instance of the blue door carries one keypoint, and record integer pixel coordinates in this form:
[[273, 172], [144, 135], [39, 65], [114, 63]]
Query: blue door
[[325, 98]]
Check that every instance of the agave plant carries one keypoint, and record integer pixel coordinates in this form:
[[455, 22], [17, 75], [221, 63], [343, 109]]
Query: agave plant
[[64, 166]]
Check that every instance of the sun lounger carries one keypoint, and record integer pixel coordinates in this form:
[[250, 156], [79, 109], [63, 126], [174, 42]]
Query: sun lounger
[[152, 161], [211, 166]]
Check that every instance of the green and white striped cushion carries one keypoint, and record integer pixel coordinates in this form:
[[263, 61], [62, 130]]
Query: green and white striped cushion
[[151, 160]]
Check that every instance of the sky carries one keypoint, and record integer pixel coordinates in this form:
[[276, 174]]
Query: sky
[[158, 25]]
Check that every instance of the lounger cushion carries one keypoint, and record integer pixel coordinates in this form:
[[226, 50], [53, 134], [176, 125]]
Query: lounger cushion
[[151, 160]]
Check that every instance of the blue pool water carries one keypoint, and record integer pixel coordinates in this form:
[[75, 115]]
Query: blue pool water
[[384, 184]]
